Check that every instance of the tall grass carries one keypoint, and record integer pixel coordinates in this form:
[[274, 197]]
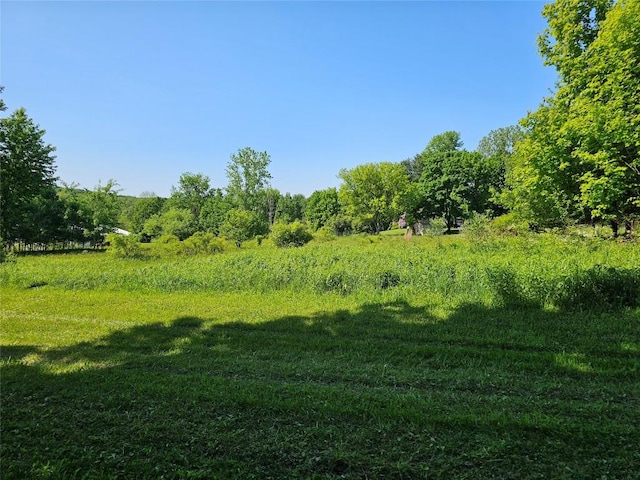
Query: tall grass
[[541, 270]]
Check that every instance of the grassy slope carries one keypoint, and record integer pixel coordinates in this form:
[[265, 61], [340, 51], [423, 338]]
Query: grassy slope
[[385, 384]]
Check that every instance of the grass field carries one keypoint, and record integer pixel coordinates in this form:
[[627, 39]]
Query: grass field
[[360, 358]]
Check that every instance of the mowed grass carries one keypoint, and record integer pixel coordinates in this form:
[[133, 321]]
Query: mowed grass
[[412, 379]]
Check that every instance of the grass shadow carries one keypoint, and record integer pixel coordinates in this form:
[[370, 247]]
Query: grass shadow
[[390, 390]]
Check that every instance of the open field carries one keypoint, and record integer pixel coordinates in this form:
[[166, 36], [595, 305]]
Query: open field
[[361, 358]]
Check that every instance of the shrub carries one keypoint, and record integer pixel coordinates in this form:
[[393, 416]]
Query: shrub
[[124, 246], [324, 234], [203, 243], [509, 224], [341, 225], [290, 235], [478, 227], [436, 227]]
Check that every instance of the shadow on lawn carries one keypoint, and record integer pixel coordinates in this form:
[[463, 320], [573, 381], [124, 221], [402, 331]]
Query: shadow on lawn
[[387, 391]]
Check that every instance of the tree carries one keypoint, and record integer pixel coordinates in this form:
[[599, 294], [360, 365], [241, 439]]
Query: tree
[[500, 142], [26, 171], [178, 222], [214, 212], [192, 192], [573, 25], [321, 207], [104, 205], [290, 207], [605, 114], [248, 178], [454, 184], [242, 225], [139, 210], [580, 157], [497, 148], [374, 194], [444, 142]]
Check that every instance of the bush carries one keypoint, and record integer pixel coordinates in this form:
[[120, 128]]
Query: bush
[[478, 227], [341, 225], [324, 234], [124, 246], [203, 243], [290, 235], [509, 224], [436, 227]]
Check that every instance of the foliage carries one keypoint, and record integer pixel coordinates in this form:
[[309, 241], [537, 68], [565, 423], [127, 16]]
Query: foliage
[[248, 179], [241, 225], [26, 169], [510, 224], [324, 234], [124, 246], [291, 208], [580, 158], [192, 193], [104, 204], [214, 211], [203, 243], [175, 221], [293, 234], [321, 207], [341, 224], [454, 184], [136, 211], [374, 194]]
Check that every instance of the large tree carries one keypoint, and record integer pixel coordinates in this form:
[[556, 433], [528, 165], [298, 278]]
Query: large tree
[[321, 207], [26, 171], [193, 191], [248, 180], [454, 184], [375, 194], [580, 157]]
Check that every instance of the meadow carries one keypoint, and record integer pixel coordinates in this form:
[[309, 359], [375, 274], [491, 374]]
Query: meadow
[[364, 357]]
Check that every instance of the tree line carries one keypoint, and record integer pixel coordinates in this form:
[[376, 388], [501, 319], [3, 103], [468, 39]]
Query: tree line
[[573, 160]]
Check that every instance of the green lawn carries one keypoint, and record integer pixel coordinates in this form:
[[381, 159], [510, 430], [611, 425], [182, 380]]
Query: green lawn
[[292, 382]]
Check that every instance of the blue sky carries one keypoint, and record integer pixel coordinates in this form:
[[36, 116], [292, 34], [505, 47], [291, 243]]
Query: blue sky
[[144, 91]]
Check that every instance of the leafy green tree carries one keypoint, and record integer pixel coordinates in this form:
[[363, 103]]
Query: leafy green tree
[[444, 142], [77, 216], [192, 192], [572, 25], [214, 212], [179, 222], [26, 171], [374, 194], [453, 185], [497, 148], [248, 179], [580, 157], [291, 208], [104, 204], [242, 225], [500, 142], [413, 166], [321, 206], [139, 209], [605, 115]]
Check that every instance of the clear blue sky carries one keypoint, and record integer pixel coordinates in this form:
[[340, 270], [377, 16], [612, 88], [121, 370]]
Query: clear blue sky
[[143, 91]]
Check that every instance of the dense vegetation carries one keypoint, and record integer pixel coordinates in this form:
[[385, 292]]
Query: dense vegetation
[[362, 357]]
